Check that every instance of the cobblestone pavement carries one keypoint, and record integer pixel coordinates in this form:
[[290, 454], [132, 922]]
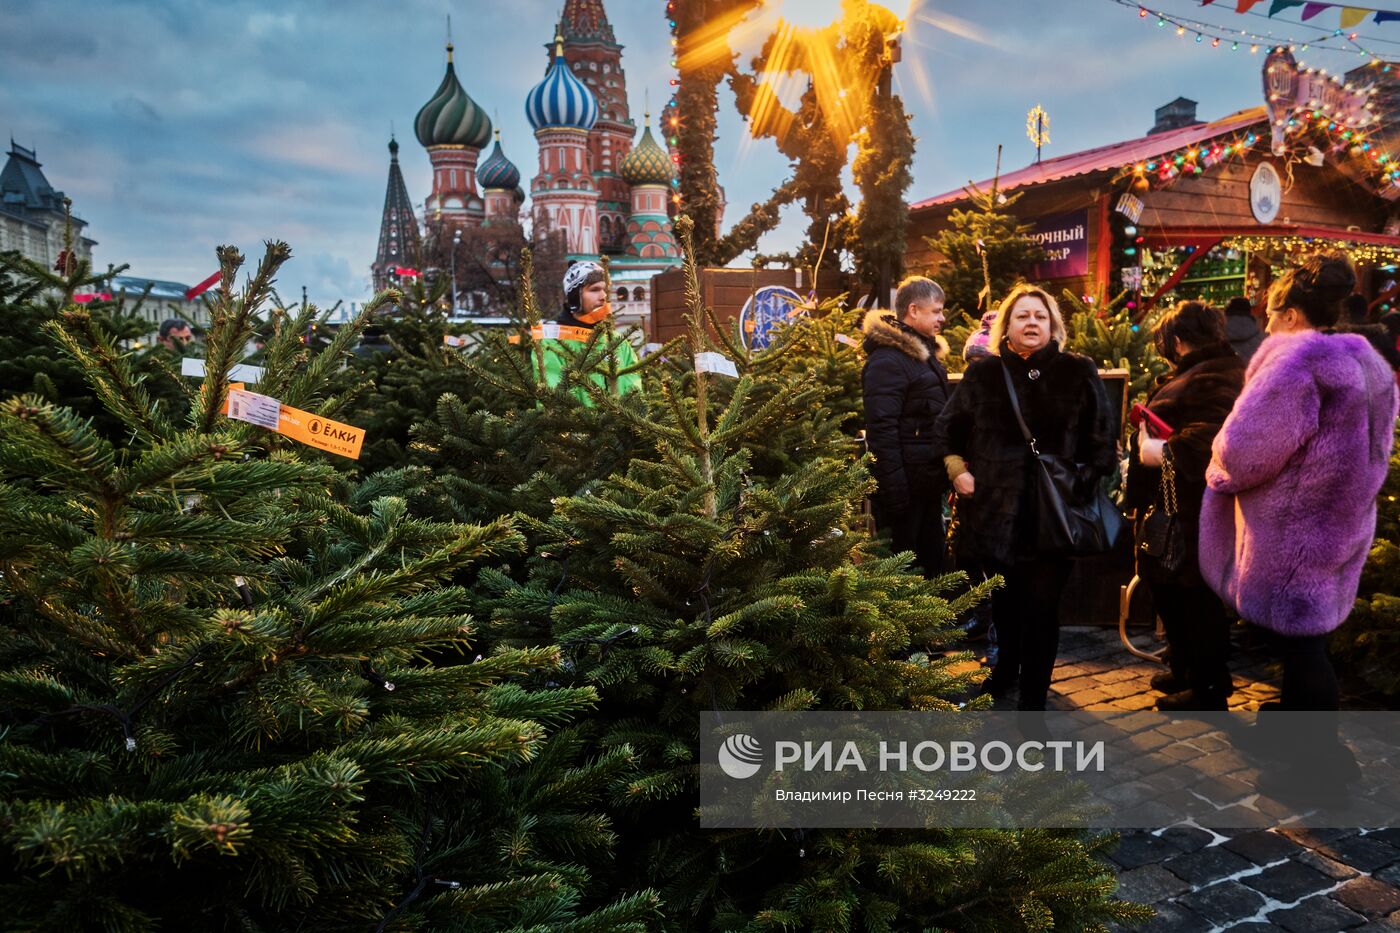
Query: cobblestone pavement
[[1263, 880]]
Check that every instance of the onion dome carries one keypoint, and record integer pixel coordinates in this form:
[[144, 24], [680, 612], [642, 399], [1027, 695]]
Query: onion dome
[[519, 194], [561, 99], [498, 171], [647, 163], [451, 117]]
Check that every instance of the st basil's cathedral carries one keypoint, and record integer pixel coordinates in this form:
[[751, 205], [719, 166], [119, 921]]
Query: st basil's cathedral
[[593, 187]]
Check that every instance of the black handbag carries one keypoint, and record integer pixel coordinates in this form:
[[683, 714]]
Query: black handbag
[[1161, 536], [1069, 524]]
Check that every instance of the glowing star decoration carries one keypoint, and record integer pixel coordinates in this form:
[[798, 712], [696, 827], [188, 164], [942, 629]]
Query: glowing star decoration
[[1038, 128]]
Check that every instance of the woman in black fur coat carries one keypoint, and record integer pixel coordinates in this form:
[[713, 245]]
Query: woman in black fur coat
[[1194, 400], [1066, 407]]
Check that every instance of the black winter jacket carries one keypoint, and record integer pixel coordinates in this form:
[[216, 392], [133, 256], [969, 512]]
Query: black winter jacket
[[1066, 408], [1195, 400], [905, 388]]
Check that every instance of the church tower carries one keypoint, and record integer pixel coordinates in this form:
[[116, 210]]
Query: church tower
[[399, 243], [562, 110], [453, 128], [595, 57]]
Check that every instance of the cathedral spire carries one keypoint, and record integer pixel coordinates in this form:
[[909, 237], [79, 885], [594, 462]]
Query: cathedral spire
[[399, 242], [585, 21]]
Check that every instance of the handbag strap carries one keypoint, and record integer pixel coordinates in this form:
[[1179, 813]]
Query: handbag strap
[[1169, 482], [1016, 409]]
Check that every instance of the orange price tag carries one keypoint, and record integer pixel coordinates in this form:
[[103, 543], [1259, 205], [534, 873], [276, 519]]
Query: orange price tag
[[315, 431], [556, 331]]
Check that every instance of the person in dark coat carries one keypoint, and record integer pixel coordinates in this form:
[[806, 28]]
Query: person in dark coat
[[1194, 400], [905, 386], [1066, 406], [1241, 328]]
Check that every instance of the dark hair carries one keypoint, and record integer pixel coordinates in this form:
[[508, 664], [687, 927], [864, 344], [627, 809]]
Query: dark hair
[[1356, 309], [1316, 288], [1239, 306], [172, 323], [1193, 322]]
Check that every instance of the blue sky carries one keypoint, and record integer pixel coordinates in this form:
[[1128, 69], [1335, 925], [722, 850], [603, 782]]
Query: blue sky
[[178, 125]]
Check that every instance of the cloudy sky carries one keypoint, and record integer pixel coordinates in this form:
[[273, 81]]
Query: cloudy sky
[[178, 125]]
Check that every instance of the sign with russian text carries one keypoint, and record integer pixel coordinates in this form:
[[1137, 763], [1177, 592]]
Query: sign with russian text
[[1064, 237]]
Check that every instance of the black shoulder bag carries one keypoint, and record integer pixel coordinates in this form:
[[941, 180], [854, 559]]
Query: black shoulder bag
[[1067, 525], [1161, 537]]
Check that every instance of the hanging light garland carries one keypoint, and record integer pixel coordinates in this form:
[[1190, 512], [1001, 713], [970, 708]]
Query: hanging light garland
[[1367, 253], [1342, 136], [669, 113], [1234, 39], [1188, 162]]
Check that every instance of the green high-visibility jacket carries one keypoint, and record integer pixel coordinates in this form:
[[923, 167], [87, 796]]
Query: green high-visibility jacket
[[556, 360]]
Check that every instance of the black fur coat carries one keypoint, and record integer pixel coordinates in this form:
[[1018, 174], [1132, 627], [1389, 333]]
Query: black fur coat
[[1067, 409]]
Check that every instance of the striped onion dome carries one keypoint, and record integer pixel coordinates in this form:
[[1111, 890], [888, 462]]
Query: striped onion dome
[[647, 163], [498, 171], [561, 99], [451, 117]]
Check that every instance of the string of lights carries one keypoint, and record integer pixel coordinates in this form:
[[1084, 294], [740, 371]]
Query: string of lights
[[1234, 39]]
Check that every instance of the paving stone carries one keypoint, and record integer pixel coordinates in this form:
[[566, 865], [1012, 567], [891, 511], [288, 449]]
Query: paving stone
[[1317, 915], [1224, 902], [1369, 897], [1207, 865], [1378, 926], [1313, 838], [1114, 676], [1362, 852], [1174, 918], [1288, 882], [1075, 684], [1263, 847], [1141, 848], [1243, 817], [1185, 728], [1337, 871], [1142, 701], [1189, 838], [1125, 688], [1149, 740], [1391, 836], [1150, 884], [1256, 927], [1087, 698], [1390, 875]]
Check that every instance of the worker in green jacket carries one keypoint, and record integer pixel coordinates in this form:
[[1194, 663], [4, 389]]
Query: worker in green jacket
[[585, 305]]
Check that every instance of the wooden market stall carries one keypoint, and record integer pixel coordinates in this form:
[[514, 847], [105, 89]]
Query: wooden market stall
[[1213, 210]]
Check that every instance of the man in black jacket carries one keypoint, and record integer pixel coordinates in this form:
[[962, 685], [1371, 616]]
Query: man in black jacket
[[905, 387]]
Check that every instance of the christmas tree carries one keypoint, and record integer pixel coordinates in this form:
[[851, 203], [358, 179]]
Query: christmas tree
[[984, 251], [218, 710], [1104, 330], [712, 573], [32, 297]]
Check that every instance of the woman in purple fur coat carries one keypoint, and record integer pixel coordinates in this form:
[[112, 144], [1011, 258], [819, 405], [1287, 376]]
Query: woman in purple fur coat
[[1290, 510]]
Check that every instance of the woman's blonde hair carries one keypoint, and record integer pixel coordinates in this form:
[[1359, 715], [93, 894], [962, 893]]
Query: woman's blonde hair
[[1003, 321]]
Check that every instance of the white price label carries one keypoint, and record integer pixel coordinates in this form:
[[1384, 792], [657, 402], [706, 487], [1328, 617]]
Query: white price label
[[262, 410], [650, 348], [549, 331], [454, 341], [846, 339], [189, 366], [711, 362]]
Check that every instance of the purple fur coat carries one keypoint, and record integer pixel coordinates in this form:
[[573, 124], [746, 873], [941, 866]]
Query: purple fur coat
[[1290, 509]]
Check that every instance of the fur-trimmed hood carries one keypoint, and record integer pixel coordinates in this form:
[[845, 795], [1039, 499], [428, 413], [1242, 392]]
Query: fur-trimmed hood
[[882, 329]]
